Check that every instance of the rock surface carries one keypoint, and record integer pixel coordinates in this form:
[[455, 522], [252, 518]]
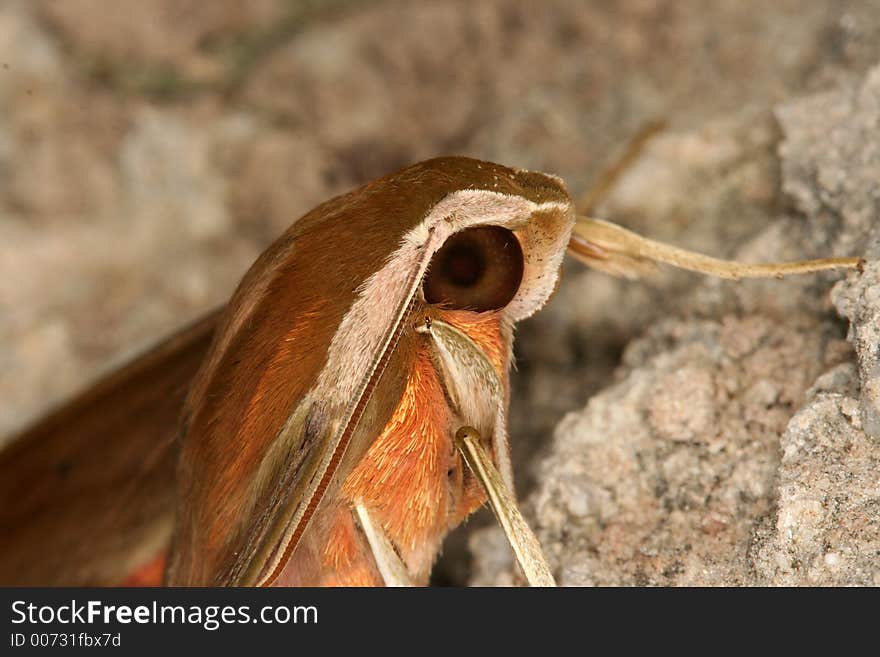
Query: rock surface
[[742, 450]]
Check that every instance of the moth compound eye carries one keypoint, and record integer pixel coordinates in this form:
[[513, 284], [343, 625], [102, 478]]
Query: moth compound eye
[[476, 269]]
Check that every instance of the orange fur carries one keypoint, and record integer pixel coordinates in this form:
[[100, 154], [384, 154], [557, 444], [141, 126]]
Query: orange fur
[[346, 557], [485, 330], [412, 479], [402, 478], [341, 542], [149, 574]]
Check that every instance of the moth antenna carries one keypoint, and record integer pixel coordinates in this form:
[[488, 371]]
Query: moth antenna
[[521, 538], [608, 247], [588, 202]]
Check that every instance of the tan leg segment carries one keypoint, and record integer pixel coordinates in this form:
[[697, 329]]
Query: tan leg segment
[[522, 540], [389, 563]]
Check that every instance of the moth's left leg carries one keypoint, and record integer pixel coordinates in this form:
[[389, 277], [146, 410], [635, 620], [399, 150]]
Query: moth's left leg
[[523, 541], [391, 566]]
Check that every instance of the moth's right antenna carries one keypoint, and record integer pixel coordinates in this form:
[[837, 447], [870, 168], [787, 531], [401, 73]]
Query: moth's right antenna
[[615, 250], [608, 247]]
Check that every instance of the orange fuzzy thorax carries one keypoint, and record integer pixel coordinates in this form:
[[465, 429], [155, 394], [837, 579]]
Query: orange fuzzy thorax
[[412, 479]]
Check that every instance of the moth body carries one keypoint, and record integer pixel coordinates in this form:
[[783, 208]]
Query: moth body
[[411, 479], [322, 390]]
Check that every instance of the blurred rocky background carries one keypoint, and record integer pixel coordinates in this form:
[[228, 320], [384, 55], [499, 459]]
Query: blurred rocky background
[[673, 431]]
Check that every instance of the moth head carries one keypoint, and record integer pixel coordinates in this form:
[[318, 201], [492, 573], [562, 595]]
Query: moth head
[[500, 243], [292, 392]]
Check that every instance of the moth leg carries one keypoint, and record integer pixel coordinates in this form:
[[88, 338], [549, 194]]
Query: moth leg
[[523, 541], [621, 252], [597, 193], [390, 565]]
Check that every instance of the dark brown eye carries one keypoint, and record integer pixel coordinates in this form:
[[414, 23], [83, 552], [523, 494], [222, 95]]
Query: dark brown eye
[[476, 269]]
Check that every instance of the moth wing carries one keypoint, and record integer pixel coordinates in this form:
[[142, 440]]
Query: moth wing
[[86, 494], [268, 434]]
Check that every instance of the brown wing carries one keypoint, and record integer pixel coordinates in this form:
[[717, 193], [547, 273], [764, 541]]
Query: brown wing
[[87, 494]]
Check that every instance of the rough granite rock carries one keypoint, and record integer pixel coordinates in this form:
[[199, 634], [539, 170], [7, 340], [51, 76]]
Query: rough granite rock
[[736, 451]]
